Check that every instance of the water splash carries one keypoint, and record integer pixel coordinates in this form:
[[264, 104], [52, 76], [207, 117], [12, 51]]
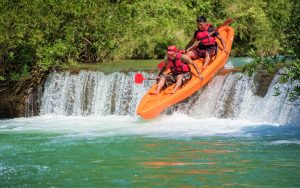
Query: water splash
[[32, 101], [91, 94], [231, 96], [176, 125]]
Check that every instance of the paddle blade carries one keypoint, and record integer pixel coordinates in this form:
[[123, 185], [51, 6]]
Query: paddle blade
[[227, 22], [161, 65], [138, 78]]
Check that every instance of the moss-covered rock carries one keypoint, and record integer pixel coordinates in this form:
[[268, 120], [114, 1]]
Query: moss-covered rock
[[23, 103], [262, 80]]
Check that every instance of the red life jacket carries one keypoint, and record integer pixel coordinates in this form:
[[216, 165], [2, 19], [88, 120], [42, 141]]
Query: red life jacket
[[202, 35], [177, 66]]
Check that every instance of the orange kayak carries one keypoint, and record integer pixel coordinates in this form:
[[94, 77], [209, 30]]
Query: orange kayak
[[152, 105]]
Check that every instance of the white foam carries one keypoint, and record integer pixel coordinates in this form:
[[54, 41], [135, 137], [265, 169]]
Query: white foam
[[231, 96], [176, 125], [279, 142]]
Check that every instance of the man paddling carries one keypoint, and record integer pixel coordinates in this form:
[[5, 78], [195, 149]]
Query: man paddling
[[180, 70], [206, 36]]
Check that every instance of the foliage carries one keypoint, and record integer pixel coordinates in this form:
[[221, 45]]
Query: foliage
[[37, 35], [292, 40], [269, 64], [253, 26], [290, 77], [263, 70]]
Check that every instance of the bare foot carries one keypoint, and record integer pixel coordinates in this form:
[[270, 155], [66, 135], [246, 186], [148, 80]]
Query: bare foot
[[204, 67], [174, 91]]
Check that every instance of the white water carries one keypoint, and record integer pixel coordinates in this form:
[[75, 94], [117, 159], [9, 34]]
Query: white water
[[91, 93], [92, 104], [176, 125], [98, 95], [232, 96]]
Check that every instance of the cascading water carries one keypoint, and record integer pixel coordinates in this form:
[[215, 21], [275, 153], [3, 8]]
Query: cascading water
[[230, 96], [89, 136], [91, 93]]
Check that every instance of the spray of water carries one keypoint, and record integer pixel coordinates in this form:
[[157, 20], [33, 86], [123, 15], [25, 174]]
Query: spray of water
[[230, 96]]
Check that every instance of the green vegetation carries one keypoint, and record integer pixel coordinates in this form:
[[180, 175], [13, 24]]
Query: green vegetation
[[291, 73], [38, 35], [266, 66], [291, 77], [263, 68]]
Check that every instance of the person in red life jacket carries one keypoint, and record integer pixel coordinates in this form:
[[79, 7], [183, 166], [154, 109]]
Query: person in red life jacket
[[207, 37], [180, 70]]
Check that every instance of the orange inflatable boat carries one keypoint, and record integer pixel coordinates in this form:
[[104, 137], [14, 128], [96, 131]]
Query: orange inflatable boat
[[152, 105]]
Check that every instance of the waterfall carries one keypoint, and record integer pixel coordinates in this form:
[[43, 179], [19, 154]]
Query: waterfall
[[232, 96], [91, 93], [96, 94]]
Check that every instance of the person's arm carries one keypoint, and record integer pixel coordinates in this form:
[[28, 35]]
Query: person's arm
[[223, 43], [186, 59], [164, 67], [192, 41], [216, 34]]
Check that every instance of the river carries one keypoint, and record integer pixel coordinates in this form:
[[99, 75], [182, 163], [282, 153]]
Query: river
[[87, 135]]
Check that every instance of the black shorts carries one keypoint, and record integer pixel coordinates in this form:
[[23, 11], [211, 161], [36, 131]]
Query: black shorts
[[171, 78], [210, 49]]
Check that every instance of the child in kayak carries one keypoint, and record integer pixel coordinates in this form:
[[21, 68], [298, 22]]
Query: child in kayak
[[207, 47], [180, 70]]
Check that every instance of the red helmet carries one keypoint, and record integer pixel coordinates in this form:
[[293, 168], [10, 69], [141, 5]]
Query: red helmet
[[172, 49]]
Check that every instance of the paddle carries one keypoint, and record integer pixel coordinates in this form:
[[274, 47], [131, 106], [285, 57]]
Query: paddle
[[139, 78], [227, 22], [161, 65]]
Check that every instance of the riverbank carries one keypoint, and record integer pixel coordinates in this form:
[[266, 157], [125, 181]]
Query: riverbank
[[23, 104], [135, 65]]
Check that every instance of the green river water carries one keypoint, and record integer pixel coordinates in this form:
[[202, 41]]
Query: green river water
[[126, 151], [129, 152]]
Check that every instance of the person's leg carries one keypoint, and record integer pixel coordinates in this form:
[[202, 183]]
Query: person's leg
[[192, 54], [207, 59], [160, 84], [178, 83], [213, 53], [186, 77]]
